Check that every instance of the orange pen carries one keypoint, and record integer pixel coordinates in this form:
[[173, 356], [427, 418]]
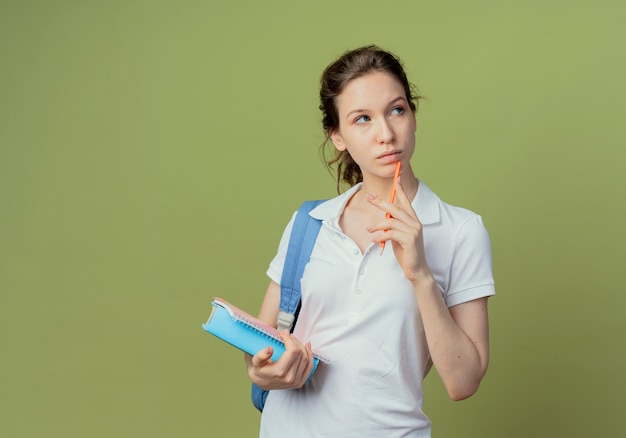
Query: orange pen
[[392, 198]]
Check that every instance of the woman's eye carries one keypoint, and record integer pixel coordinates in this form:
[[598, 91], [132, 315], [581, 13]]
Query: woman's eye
[[361, 119], [397, 110]]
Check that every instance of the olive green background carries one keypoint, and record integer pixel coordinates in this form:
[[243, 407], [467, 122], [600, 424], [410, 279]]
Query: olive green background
[[151, 153]]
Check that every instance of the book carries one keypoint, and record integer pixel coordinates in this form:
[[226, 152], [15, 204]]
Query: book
[[247, 333]]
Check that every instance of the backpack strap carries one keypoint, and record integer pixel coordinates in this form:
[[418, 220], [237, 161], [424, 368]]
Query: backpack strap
[[301, 242]]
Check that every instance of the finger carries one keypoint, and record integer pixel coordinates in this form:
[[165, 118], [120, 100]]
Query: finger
[[308, 361], [401, 222], [304, 366], [295, 361], [401, 197], [394, 210], [291, 342], [310, 357], [379, 203], [294, 350], [263, 357], [391, 236], [402, 209]]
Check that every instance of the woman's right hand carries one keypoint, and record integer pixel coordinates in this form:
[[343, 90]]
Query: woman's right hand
[[291, 370]]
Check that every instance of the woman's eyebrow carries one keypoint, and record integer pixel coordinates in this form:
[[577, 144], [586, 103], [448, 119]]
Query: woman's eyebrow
[[394, 101], [391, 103]]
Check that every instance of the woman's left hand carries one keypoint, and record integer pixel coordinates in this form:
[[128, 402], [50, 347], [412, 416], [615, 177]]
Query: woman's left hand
[[404, 230]]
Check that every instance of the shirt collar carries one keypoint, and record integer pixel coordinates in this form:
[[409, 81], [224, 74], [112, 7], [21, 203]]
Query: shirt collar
[[425, 204]]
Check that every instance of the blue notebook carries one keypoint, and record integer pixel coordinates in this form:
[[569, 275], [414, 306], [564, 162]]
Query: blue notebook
[[246, 332]]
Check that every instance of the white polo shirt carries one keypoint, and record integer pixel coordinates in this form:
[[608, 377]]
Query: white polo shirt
[[361, 312]]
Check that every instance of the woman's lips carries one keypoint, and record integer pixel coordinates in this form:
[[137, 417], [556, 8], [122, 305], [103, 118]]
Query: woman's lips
[[390, 157]]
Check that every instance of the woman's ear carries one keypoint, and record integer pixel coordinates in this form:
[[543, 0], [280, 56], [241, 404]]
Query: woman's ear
[[337, 140]]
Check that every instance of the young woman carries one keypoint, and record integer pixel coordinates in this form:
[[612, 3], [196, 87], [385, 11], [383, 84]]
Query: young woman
[[382, 320]]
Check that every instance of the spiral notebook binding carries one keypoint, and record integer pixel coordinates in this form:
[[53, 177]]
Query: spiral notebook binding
[[243, 318], [252, 324]]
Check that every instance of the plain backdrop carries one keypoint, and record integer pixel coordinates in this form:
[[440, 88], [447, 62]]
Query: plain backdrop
[[151, 153]]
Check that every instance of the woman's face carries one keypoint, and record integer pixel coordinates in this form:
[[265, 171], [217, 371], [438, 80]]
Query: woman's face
[[376, 124]]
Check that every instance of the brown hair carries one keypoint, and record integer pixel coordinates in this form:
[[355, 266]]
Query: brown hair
[[349, 66]]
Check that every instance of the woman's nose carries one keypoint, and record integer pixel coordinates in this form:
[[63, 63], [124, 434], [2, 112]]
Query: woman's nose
[[385, 132]]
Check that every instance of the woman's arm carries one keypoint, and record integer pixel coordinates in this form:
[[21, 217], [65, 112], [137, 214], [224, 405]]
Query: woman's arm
[[271, 302], [295, 364], [457, 337]]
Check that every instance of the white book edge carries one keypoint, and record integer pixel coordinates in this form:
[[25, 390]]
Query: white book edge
[[245, 318]]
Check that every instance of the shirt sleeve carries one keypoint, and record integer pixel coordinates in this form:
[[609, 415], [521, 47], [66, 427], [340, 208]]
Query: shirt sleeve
[[275, 269], [471, 272]]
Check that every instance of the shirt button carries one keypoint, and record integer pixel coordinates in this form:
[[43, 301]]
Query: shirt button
[[358, 291], [355, 251]]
